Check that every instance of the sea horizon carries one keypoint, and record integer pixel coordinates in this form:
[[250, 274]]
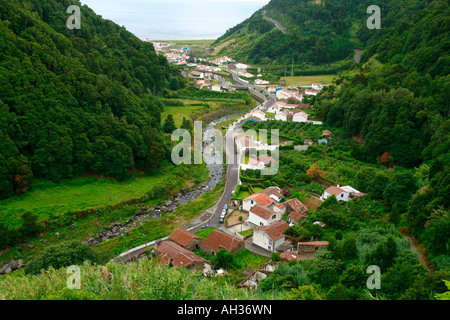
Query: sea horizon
[[176, 19]]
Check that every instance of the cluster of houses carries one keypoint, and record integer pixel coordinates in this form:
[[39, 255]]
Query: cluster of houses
[[266, 218]]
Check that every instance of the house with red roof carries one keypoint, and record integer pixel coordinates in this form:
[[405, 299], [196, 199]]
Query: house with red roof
[[270, 237], [219, 239], [311, 247], [262, 216], [255, 199], [345, 193], [186, 239], [171, 253]]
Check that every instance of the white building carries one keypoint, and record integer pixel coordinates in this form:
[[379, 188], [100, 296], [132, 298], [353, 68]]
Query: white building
[[270, 237], [317, 86], [262, 216], [300, 117], [216, 87], [341, 193], [241, 66], [256, 199]]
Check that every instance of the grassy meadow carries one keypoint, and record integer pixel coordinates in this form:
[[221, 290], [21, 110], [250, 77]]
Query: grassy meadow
[[302, 81]]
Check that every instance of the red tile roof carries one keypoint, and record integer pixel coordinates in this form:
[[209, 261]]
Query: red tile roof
[[262, 212], [183, 237], [314, 243], [289, 255], [296, 205], [275, 230], [260, 198], [335, 190], [272, 191], [296, 216], [179, 255], [218, 239]]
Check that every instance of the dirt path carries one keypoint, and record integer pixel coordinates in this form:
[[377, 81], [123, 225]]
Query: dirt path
[[418, 250]]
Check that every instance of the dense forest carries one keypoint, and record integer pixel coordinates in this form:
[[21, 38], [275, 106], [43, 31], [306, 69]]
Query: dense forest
[[318, 32], [395, 106], [72, 102]]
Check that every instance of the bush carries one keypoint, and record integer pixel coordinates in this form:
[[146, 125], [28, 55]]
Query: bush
[[62, 255]]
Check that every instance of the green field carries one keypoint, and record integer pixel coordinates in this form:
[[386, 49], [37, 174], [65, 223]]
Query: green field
[[301, 81], [179, 112], [48, 199]]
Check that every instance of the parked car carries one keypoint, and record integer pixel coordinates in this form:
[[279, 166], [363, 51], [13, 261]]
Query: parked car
[[221, 220]]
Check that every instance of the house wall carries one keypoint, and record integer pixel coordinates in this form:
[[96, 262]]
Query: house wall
[[247, 205], [299, 119], [344, 196], [262, 239], [280, 117], [257, 220]]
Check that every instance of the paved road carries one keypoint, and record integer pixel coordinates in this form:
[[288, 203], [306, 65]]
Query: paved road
[[277, 24], [232, 177]]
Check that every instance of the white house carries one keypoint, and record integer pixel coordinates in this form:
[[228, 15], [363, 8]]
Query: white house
[[256, 199], [300, 117], [270, 237], [275, 108], [317, 86], [282, 115], [244, 142], [216, 87], [253, 164], [341, 193], [259, 114], [310, 92], [274, 193], [241, 66], [262, 216], [261, 82]]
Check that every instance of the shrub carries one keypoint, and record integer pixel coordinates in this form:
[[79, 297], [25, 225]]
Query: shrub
[[62, 255]]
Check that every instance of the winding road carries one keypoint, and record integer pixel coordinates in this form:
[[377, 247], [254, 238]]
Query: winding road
[[277, 24], [211, 215]]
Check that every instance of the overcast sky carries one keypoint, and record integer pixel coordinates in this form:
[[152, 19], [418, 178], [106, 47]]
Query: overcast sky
[[176, 19]]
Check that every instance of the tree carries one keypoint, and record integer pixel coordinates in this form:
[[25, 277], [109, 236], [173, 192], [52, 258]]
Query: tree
[[384, 254], [400, 188], [30, 226], [5, 236], [314, 173], [385, 158], [62, 255], [223, 259], [395, 215], [169, 124]]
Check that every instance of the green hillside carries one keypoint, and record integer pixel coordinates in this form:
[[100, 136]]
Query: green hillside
[[75, 101]]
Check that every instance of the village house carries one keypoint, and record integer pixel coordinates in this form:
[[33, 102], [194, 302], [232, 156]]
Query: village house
[[289, 255], [300, 116], [241, 66], [309, 92], [254, 199], [261, 82], [283, 115], [259, 114], [294, 218], [341, 193], [273, 192], [219, 239], [186, 239], [262, 216], [267, 160], [317, 86], [270, 237], [171, 253], [253, 164], [295, 205], [326, 133], [216, 87], [244, 142], [311, 247]]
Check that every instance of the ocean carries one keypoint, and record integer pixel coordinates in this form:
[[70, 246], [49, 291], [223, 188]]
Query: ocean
[[176, 19]]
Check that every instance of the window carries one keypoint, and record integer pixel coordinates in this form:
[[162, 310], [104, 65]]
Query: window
[[261, 224], [274, 216], [342, 195]]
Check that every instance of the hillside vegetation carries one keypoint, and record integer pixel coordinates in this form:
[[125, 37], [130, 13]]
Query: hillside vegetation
[[75, 101]]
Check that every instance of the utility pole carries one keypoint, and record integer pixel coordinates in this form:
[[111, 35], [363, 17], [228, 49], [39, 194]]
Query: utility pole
[[292, 72]]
